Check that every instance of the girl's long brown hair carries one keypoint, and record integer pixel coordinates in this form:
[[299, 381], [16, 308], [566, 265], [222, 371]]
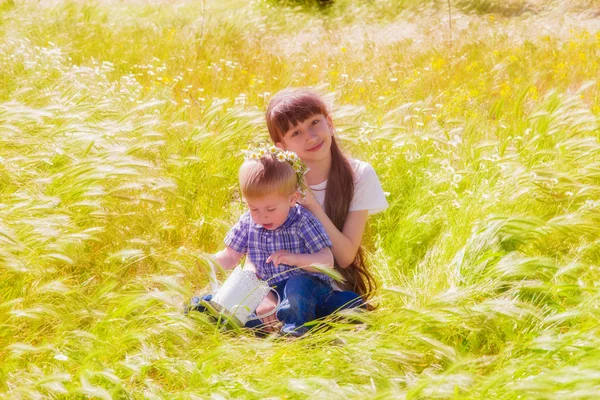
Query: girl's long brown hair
[[285, 110]]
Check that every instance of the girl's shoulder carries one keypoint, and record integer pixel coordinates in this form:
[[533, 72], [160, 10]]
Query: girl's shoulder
[[362, 170], [368, 193]]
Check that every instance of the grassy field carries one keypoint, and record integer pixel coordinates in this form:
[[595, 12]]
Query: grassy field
[[121, 126]]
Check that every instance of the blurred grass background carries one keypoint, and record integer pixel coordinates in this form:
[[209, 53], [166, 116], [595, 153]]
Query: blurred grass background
[[121, 125]]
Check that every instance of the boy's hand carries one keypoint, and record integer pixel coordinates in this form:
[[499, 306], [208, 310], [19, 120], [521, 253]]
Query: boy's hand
[[283, 257]]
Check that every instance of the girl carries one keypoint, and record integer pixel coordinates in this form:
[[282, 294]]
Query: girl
[[343, 192]]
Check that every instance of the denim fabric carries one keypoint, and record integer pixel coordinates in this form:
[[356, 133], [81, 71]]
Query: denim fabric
[[301, 296], [337, 301], [304, 298]]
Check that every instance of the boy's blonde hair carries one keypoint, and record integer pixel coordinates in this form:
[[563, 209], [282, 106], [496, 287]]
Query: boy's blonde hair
[[267, 175]]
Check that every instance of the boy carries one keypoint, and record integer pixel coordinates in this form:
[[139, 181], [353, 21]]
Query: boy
[[280, 238]]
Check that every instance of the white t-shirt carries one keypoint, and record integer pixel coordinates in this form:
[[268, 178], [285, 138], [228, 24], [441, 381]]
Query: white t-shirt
[[368, 194]]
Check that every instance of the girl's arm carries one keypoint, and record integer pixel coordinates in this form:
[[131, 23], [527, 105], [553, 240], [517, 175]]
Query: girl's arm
[[347, 242], [228, 257]]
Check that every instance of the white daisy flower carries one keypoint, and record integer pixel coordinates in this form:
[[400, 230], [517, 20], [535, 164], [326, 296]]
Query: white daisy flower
[[281, 157], [291, 155], [273, 150]]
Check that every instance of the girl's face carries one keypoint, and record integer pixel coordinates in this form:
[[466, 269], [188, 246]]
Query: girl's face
[[310, 139], [271, 210]]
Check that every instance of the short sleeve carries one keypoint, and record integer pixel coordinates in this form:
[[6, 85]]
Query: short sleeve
[[237, 237], [368, 194], [313, 233]]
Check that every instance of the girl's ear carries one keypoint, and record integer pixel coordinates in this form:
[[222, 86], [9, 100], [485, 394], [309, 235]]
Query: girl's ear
[[280, 145], [330, 124]]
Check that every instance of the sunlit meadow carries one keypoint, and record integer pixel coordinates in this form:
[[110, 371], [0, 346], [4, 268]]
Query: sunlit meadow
[[121, 126]]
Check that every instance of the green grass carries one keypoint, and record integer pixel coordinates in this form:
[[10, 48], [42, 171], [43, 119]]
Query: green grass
[[121, 126]]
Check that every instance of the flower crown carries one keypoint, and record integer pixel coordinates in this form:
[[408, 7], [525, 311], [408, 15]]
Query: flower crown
[[281, 156]]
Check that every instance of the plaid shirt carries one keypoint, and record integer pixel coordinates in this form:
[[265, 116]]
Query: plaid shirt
[[301, 233]]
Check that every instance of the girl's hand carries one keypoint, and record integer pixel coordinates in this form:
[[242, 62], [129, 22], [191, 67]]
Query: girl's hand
[[283, 257], [308, 201], [267, 305]]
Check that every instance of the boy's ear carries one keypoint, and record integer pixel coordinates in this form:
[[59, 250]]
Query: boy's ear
[[294, 199]]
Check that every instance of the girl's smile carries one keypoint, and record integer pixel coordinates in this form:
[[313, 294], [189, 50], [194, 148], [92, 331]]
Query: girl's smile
[[317, 147]]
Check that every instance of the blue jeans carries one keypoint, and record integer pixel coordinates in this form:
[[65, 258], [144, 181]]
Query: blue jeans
[[304, 298]]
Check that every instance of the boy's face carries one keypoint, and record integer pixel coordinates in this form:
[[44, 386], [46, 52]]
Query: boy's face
[[310, 139], [271, 210]]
